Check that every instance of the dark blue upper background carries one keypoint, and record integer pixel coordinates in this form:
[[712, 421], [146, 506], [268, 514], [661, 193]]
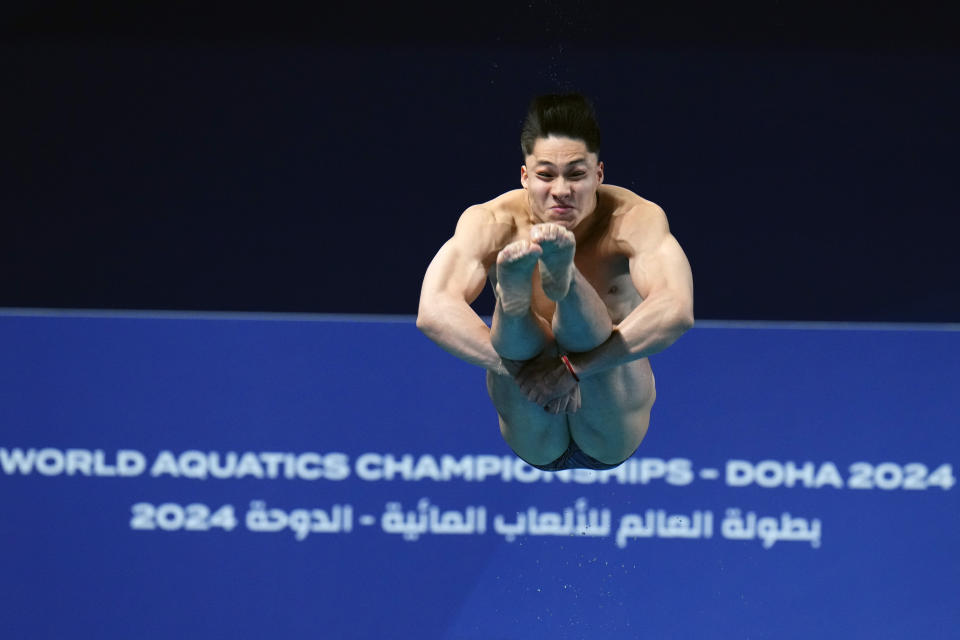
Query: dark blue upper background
[[297, 159]]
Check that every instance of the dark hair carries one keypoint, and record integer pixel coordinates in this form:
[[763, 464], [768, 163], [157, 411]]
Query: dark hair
[[569, 115]]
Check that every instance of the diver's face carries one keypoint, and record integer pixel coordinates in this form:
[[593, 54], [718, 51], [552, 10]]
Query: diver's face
[[561, 178]]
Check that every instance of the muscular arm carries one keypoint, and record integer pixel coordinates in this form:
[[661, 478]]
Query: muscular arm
[[661, 274], [454, 279]]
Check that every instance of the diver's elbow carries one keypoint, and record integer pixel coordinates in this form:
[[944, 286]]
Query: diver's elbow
[[682, 319], [423, 321], [426, 322]]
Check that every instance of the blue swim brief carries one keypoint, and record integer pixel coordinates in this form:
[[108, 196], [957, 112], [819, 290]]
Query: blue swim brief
[[575, 458]]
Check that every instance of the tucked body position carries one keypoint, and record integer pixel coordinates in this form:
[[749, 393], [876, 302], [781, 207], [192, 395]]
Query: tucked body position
[[588, 281]]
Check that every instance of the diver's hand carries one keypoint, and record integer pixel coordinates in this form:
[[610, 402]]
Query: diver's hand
[[546, 381], [569, 404]]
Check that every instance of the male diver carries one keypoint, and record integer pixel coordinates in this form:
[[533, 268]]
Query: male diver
[[588, 281]]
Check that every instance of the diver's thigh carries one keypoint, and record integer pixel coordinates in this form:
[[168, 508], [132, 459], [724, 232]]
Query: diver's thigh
[[614, 412], [535, 435]]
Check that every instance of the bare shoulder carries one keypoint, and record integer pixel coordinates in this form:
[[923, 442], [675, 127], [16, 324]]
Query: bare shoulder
[[658, 265], [636, 224], [496, 220], [484, 229]]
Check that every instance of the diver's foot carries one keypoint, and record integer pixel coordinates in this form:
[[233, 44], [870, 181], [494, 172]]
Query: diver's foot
[[515, 264], [556, 263]]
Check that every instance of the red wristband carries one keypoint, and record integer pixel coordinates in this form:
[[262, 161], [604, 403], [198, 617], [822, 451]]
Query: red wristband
[[566, 361]]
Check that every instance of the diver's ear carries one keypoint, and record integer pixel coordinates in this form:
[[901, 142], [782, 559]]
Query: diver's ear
[[600, 172], [523, 175]]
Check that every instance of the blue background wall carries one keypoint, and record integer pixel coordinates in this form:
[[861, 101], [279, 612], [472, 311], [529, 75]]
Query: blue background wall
[[865, 418]]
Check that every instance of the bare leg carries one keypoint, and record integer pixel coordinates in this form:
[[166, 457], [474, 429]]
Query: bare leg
[[611, 424], [517, 333], [615, 409], [581, 321], [535, 435]]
